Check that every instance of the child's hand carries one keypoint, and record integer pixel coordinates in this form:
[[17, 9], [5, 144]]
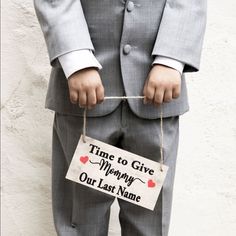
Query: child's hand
[[85, 87], [162, 85]]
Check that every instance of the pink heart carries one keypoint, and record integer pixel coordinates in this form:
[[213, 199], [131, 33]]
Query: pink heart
[[84, 159], [151, 183]]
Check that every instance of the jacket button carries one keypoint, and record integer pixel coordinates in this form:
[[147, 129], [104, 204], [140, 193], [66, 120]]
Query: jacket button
[[127, 49], [130, 6]]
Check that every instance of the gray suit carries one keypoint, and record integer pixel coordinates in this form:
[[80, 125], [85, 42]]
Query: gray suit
[[172, 28], [124, 36]]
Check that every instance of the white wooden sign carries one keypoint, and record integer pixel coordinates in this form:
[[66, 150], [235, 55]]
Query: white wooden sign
[[117, 172]]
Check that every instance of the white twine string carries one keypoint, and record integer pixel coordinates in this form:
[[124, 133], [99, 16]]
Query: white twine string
[[125, 98]]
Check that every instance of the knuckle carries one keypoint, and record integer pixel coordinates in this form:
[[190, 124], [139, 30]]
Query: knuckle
[[167, 86], [82, 104], [82, 87], [149, 96], [100, 99], [93, 103], [98, 84], [73, 101], [74, 85], [152, 83], [101, 89], [168, 99], [176, 84], [158, 100], [161, 83], [176, 94], [73, 98]]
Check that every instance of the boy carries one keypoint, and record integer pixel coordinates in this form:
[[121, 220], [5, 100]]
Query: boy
[[117, 48]]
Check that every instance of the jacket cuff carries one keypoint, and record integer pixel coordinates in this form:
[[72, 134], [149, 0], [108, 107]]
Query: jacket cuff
[[170, 62], [77, 60]]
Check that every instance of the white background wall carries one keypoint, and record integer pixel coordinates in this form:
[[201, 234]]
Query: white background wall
[[205, 190]]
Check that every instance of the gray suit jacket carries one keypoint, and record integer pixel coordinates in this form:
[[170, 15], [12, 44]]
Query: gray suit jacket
[[124, 36]]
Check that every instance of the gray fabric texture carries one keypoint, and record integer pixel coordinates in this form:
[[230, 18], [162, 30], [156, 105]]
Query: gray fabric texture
[[81, 211], [171, 28]]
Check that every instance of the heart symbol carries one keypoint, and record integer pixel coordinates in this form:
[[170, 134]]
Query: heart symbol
[[84, 159], [151, 183]]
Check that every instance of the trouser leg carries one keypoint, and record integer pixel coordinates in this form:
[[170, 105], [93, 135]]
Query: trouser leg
[[77, 209], [88, 210], [143, 138]]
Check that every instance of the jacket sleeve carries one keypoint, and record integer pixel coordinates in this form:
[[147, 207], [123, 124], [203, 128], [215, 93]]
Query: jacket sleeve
[[181, 32], [64, 27]]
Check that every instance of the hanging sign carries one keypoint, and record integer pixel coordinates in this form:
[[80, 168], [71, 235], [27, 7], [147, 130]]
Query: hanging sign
[[117, 172]]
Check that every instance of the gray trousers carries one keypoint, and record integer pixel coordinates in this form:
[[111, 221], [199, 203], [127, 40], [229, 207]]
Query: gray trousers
[[81, 211]]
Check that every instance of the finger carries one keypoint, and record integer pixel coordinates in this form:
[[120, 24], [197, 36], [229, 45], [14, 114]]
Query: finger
[[167, 95], [82, 99], [150, 93], [100, 94], [176, 92], [144, 92], [159, 95], [73, 96], [92, 98]]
